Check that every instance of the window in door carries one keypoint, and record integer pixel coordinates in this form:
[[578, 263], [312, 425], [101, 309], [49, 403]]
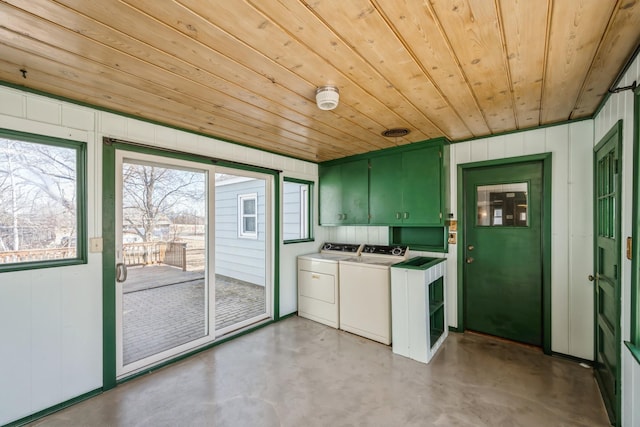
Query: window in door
[[42, 196], [502, 205]]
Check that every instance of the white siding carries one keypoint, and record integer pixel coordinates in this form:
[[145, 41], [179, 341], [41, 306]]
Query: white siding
[[620, 107], [51, 319], [239, 258]]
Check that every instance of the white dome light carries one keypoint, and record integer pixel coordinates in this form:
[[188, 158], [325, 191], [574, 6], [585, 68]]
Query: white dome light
[[327, 97]]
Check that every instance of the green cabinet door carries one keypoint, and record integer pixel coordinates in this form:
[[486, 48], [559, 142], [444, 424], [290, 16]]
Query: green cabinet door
[[406, 188], [422, 186], [330, 194], [343, 192], [385, 190]]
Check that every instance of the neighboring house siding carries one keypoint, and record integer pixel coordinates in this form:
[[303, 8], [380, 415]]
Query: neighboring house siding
[[291, 213], [238, 257]]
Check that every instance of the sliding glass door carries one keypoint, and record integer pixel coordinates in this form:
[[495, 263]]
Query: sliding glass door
[[192, 254]]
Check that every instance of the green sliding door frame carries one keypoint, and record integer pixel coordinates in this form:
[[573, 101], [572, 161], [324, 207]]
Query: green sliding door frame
[[545, 158], [109, 147]]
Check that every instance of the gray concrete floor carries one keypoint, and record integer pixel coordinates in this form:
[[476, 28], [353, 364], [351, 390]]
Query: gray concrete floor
[[299, 373], [163, 307]]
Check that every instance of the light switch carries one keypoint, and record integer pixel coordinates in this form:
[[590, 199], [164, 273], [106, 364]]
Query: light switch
[[95, 244]]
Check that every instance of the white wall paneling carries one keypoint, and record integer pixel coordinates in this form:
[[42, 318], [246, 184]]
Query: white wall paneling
[[51, 319]]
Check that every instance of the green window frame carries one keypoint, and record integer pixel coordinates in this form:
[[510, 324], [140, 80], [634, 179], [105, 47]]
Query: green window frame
[[54, 240], [297, 210], [634, 343]]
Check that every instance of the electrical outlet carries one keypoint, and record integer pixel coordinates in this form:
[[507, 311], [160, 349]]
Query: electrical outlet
[[95, 244]]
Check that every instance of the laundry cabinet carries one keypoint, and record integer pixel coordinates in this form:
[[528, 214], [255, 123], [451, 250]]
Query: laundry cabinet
[[406, 188], [344, 193]]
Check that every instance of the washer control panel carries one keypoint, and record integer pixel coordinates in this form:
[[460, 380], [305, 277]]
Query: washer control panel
[[341, 247], [396, 250]]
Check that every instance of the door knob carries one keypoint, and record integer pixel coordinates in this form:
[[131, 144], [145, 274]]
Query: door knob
[[471, 247], [121, 272], [469, 260], [591, 278]]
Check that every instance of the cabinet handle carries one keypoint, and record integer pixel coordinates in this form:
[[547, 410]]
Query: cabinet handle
[[344, 216], [398, 215], [339, 216], [406, 215]]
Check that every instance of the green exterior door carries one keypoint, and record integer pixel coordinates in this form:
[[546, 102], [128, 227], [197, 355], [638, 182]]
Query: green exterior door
[[607, 261], [503, 251]]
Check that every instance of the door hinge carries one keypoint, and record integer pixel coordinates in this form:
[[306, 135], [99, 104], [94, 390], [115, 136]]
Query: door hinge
[[615, 166], [440, 154], [615, 271]]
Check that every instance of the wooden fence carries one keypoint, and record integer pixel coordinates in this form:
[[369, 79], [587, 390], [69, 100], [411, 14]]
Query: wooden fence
[[145, 253]]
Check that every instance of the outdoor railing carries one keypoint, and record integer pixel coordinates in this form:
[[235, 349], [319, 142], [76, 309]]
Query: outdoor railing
[[29, 255], [147, 253]]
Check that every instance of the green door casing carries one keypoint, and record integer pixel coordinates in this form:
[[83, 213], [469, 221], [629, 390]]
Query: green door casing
[[606, 263], [503, 251]]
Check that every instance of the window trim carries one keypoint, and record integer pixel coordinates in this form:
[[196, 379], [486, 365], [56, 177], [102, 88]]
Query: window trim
[[81, 200], [242, 234], [309, 214]]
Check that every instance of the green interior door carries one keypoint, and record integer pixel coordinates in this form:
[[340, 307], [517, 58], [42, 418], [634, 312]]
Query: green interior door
[[607, 261], [503, 251]]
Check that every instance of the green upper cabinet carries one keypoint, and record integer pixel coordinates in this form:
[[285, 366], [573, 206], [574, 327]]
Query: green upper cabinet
[[399, 186], [407, 188], [344, 193]]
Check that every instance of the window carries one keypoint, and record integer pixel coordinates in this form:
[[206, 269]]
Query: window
[[248, 216], [296, 207], [42, 218], [503, 205]]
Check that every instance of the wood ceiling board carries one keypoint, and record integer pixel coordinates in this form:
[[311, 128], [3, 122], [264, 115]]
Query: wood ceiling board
[[284, 52], [82, 85], [150, 87], [421, 34], [575, 33], [308, 30], [127, 62], [524, 25], [619, 43], [361, 26], [154, 33], [474, 33], [251, 67]]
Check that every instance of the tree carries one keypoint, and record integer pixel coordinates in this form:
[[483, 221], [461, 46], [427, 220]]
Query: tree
[[152, 193]]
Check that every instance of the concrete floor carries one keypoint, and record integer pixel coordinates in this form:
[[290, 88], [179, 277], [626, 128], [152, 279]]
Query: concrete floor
[[300, 373]]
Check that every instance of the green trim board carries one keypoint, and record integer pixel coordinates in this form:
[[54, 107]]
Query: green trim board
[[109, 148], [310, 197], [545, 158], [635, 226], [634, 350], [55, 408], [80, 196]]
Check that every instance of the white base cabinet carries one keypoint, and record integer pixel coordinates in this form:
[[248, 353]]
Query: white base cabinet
[[418, 307]]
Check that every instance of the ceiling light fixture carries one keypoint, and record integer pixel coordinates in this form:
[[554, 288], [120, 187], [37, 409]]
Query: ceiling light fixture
[[327, 97]]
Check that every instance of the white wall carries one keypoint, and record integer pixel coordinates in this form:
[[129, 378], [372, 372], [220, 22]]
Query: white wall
[[620, 107], [51, 319], [572, 237]]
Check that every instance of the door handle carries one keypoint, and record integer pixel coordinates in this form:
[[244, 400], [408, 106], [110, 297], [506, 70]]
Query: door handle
[[469, 260], [591, 278], [471, 247], [121, 272]]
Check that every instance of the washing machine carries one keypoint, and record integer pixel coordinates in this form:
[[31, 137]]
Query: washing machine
[[365, 291], [319, 282]]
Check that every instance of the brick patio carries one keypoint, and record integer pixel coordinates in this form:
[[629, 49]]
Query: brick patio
[[163, 307]]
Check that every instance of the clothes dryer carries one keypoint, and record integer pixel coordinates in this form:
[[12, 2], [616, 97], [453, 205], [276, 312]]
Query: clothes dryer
[[319, 283]]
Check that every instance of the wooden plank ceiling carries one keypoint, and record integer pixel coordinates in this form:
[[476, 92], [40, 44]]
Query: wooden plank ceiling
[[247, 70]]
